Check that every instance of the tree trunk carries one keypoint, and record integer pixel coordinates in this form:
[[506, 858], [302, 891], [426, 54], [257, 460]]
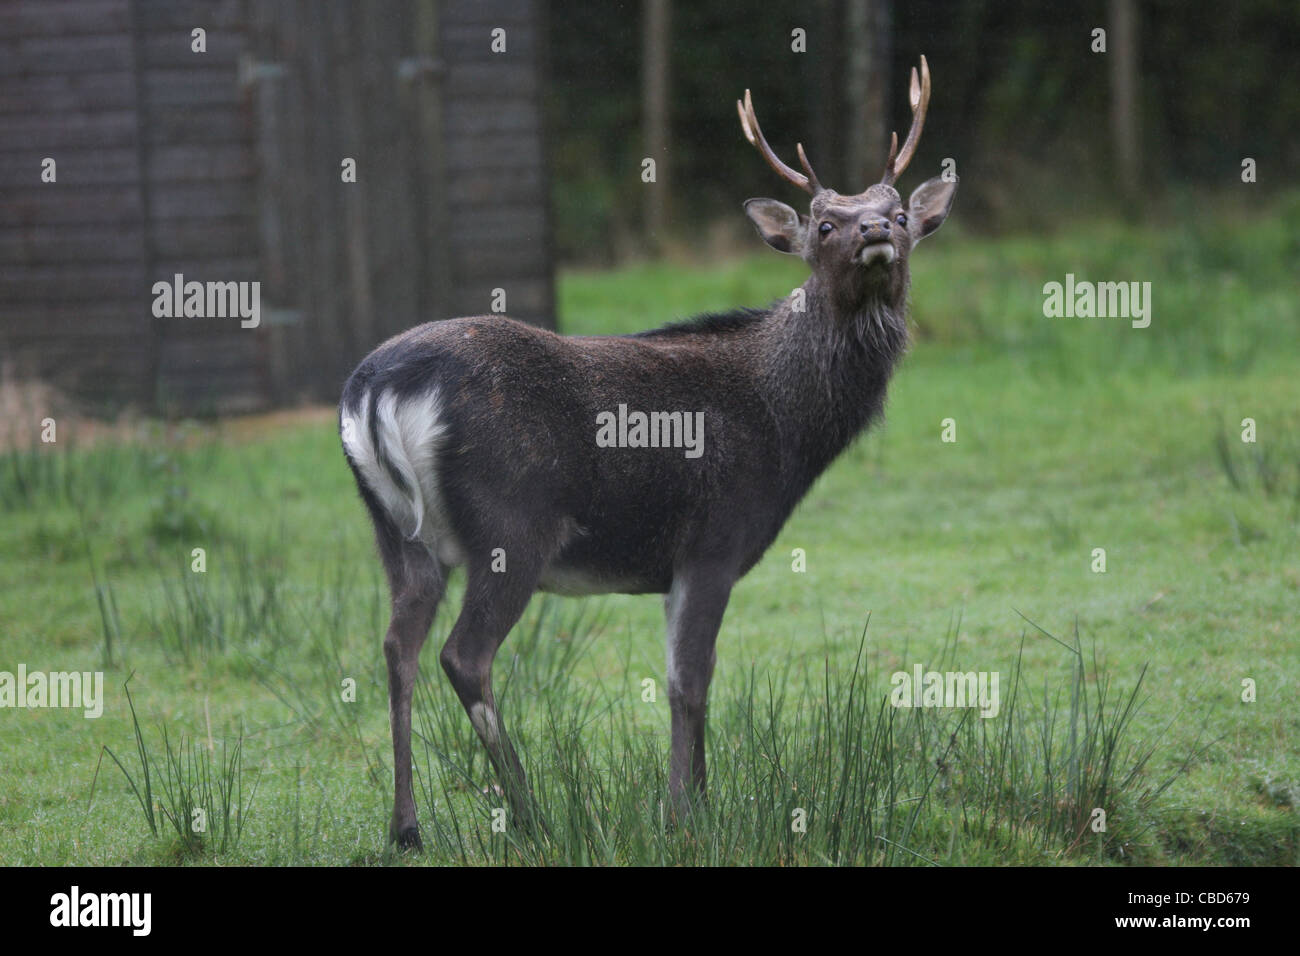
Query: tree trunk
[[1123, 94], [868, 30], [654, 114]]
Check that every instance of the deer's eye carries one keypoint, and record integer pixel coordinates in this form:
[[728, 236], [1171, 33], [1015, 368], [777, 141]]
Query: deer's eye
[[825, 229], [901, 219]]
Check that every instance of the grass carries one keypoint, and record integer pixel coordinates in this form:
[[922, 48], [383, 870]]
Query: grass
[[192, 782], [258, 691]]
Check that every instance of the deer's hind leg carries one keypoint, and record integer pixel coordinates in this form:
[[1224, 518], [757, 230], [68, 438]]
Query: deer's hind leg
[[416, 582], [494, 602]]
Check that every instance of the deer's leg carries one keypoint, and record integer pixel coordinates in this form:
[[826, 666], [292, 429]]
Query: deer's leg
[[417, 582], [493, 604], [694, 607]]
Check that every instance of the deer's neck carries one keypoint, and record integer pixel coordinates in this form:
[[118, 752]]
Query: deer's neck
[[825, 372]]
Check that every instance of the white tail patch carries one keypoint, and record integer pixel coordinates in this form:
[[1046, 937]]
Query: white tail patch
[[409, 433]]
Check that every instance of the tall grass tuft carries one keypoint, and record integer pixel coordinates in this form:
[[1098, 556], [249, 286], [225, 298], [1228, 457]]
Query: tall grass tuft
[[106, 600], [198, 792], [1269, 469], [233, 605]]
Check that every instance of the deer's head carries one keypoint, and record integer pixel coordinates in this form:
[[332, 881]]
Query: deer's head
[[857, 246]]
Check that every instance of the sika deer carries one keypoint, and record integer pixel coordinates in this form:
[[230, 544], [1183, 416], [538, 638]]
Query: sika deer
[[663, 462]]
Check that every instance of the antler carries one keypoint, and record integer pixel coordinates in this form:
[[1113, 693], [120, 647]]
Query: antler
[[749, 124], [920, 96]]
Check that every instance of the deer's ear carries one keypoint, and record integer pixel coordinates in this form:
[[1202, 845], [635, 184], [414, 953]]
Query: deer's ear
[[780, 226], [928, 206]]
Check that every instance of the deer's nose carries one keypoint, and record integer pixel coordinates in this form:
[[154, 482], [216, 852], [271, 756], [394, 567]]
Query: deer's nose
[[874, 228]]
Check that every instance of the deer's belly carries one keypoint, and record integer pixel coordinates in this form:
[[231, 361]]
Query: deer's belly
[[578, 582], [611, 560]]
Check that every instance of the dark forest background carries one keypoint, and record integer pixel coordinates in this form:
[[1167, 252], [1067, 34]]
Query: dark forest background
[[1043, 129]]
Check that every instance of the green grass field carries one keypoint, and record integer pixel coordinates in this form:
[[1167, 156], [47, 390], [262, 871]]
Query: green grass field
[[1120, 691]]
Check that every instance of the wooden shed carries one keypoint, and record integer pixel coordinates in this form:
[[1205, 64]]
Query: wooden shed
[[134, 149]]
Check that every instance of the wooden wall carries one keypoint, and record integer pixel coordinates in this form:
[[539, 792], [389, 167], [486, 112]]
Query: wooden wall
[[225, 166], [154, 177], [196, 133], [72, 267], [450, 200], [496, 174]]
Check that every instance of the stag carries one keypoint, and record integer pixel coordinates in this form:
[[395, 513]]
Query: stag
[[486, 443]]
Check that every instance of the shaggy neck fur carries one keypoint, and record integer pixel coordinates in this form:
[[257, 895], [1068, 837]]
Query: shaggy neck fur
[[825, 371]]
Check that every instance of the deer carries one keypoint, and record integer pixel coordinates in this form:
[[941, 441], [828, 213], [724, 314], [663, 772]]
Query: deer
[[508, 449]]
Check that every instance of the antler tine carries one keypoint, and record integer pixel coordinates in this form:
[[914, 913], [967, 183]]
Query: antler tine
[[919, 94], [753, 133], [744, 122], [807, 168]]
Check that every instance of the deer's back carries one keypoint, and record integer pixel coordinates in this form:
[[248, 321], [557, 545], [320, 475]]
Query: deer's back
[[507, 427]]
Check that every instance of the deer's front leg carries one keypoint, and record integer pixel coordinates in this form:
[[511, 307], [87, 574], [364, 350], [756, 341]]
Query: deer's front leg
[[694, 607]]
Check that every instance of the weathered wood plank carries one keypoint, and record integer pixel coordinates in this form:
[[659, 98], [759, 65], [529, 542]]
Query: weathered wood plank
[[206, 269], [59, 203], [67, 93], [75, 340], [75, 282], [75, 244], [48, 132], [184, 15], [206, 239], [473, 45], [20, 171], [40, 18], [516, 223], [198, 85], [505, 79], [119, 165], [63, 320], [514, 116], [205, 126], [464, 13], [172, 48], [479, 188], [183, 163], [493, 150], [499, 258], [25, 56]]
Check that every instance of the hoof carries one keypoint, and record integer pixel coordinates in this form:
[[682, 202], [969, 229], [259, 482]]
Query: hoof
[[408, 839]]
